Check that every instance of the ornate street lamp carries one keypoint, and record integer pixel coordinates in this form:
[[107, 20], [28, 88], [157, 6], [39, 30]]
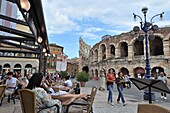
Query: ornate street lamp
[[145, 27]]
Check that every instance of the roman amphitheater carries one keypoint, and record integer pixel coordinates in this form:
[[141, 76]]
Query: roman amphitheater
[[126, 53]]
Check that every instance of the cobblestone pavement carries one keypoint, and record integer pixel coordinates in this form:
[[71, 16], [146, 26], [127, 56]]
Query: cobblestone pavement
[[133, 97]]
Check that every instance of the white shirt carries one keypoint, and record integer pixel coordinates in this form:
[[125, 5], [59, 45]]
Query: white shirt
[[164, 78], [68, 83], [13, 81]]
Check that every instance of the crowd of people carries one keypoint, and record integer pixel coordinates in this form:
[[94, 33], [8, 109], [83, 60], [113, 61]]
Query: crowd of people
[[122, 81], [47, 88]]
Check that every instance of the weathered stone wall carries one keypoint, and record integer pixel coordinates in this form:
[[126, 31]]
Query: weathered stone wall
[[131, 61]]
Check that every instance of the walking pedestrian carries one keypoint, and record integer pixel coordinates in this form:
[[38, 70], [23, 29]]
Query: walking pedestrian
[[120, 83], [163, 77], [110, 81]]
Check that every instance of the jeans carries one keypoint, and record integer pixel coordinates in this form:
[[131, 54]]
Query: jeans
[[110, 88], [120, 90]]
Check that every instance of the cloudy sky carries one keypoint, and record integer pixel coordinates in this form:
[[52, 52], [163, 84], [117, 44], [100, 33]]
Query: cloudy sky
[[68, 20]]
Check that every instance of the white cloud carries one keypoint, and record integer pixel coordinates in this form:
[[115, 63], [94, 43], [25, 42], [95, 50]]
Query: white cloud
[[89, 33], [62, 16]]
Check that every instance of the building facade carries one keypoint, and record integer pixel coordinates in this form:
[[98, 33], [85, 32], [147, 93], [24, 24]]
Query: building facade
[[73, 66], [84, 50], [56, 52], [13, 61], [126, 53]]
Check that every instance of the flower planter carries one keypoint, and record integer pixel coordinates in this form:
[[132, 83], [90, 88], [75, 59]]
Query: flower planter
[[83, 84]]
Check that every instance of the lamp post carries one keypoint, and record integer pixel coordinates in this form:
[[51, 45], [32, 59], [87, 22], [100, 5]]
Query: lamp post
[[145, 27]]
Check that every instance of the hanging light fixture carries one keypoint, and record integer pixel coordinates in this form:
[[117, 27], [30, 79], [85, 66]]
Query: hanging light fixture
[[40, 39], [25, 4], [44, 50]]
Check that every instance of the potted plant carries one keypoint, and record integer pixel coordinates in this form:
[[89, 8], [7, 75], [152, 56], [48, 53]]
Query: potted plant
[[82, 77]]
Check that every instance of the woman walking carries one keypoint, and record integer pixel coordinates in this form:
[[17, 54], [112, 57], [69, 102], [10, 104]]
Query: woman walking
[[120, 82], [110, 81]]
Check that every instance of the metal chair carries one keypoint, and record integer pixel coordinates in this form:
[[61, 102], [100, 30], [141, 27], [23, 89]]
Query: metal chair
[[28, 102], [2, 92]]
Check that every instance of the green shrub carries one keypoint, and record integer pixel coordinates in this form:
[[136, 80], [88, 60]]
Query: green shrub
[[82, 77], [63, 74]]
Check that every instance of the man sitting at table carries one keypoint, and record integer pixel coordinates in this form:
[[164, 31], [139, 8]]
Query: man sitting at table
[[68, 82], [11, 83]]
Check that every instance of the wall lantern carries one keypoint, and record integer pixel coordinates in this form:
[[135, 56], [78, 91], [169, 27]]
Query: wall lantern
[[40, 39], [25, 4]]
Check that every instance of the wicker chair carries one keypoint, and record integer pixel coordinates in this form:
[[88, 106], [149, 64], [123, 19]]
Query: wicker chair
[[88, 103], [28, 102], [2, 92], [151, 108]]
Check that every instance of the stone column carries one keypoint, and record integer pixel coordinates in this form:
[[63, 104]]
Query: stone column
[[117, 52], [166, 49], [130, 52]]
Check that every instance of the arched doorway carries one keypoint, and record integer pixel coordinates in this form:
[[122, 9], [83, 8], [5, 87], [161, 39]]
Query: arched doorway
[[156, 46], [0, 69], [6, 67], [123, 49], [96, 74], [112, 50], [156, 70], [138, 48], [85, 68], [103, 51], [139, 71], [17, 68], [124, 70], [28, 69], [110, 69], [92, 73]]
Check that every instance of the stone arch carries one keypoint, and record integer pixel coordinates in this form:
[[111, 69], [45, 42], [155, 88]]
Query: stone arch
[[96, 73], [138, 47], [85, 69], [92, 73], [92, 56], [96, 54], [156, 70], [139, 71], [124, 70], [156, 46], [17, 67], [123, 47], [28, 68], [6, 67], [0, 69], [103, 51], [111, 50]]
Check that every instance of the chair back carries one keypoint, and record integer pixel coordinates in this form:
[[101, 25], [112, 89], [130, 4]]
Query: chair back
[[2, 90], [151, 108], [27, 100], [93, 93]]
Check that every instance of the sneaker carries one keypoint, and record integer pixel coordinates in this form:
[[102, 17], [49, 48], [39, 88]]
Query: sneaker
[[124, 104], [111, 103], [165, 98], [162, 96]]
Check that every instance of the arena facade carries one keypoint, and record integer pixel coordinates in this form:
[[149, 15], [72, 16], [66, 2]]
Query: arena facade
[[126, 53]]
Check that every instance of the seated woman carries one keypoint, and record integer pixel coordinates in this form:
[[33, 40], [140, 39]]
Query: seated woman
[[35, 83]]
